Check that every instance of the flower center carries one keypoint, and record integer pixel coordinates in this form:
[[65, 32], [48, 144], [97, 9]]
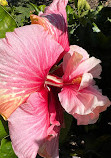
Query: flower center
[[58, 82], [77, 80], [54, 81]]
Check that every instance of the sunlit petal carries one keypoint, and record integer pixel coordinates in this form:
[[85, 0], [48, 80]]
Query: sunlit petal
[[71, 65], [85, 105], [26, 56], [77, 62], [54, 20], [28, 125]]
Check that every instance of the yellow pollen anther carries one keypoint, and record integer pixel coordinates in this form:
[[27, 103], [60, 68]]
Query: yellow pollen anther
[[39, 20], [77, 80]]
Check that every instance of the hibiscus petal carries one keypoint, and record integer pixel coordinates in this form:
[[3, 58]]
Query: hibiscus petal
[[87, 80], [80, 50], [77, 62], [22, 70], [96, 71], [71, 65], [53, 146], [84, 105], [73, 49], [86, 66], [57, 6], [54, 19], [69, 100], [55, 113], [50, 148], [28, 125]]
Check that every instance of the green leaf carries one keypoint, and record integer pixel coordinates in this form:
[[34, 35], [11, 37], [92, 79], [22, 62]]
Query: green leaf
[[109, 19], [42, 7], [6, 150], [70, 1], [70, 15], [22, 14], [38, 8], [69, 10], [64, 131], [99, 9], [83, 6], [95, 28], [23, 10], [3, 128], [7, 23], [75, 3]]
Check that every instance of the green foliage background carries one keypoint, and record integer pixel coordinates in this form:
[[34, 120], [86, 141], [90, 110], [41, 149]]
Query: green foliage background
[[91, 29]]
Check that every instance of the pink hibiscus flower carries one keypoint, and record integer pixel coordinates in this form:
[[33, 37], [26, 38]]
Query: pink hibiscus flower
[[31, 91]]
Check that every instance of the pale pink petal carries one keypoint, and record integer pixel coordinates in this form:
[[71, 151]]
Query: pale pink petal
[[85, 105], [99, 104], [87, 80], [80, 50], [83, 64], [85, 67], [73, 49], [69, 101], [28, 125], [86, 119], [71, 65], [54, 20], [26, 56], [96, 71]]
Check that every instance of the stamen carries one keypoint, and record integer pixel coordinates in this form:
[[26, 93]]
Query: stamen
[[58, 82], [77, 80], [54, 81]]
